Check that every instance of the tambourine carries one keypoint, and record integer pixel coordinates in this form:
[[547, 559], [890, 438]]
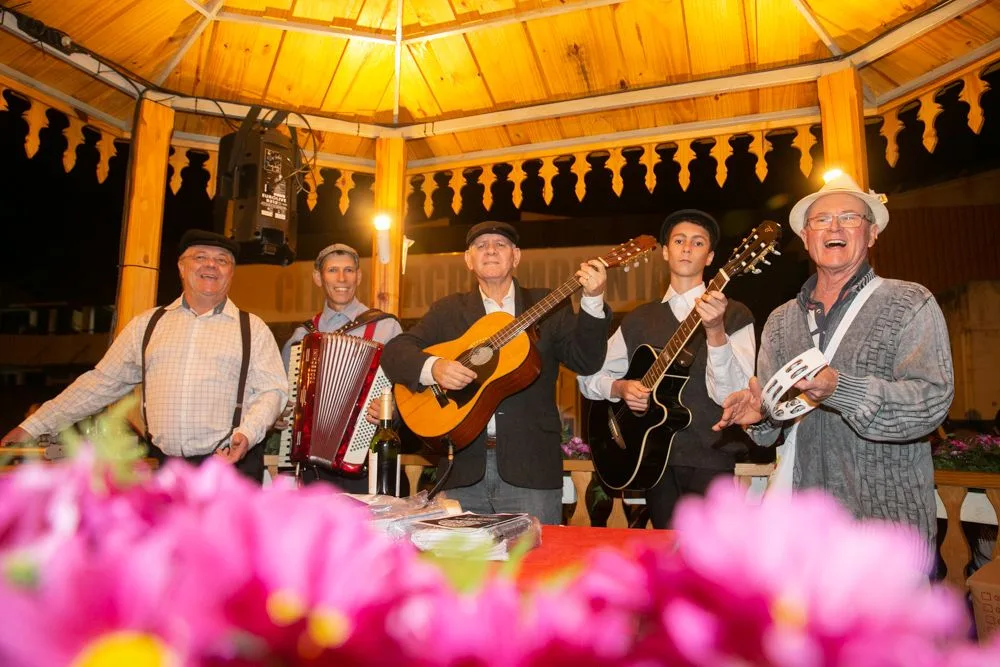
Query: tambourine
[[805, 366]]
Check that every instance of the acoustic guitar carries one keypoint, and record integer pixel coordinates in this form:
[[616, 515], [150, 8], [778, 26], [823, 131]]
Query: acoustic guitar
[[631, 450], [501, 350]]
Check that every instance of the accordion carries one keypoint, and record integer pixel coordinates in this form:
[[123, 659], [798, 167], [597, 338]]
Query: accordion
[[333, 378]]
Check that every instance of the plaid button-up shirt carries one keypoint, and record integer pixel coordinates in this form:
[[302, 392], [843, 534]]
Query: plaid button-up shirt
[[192, 372]]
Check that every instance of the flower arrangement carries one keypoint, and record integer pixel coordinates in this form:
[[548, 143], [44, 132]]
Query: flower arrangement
[[979, 453], [575, 448], [195, 566]]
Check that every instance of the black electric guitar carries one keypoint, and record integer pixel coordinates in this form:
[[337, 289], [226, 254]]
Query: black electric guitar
[[630, 450]]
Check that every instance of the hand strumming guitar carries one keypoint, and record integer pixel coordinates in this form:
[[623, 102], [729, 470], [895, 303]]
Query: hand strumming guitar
[[633, 392], [449, 374]]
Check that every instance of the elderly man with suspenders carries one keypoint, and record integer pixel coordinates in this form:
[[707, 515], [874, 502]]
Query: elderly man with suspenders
[[211, 374]]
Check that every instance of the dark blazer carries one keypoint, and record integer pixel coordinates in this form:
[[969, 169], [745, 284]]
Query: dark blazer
[[528, 425]]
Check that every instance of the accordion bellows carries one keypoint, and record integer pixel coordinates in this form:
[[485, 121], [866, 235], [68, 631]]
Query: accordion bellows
[[334, 379]]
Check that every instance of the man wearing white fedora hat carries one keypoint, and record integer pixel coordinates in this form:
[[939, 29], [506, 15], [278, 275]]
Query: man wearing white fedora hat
[[885, 379]]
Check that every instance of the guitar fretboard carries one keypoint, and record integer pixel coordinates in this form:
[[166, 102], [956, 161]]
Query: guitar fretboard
[[680, 338], [533, 314]]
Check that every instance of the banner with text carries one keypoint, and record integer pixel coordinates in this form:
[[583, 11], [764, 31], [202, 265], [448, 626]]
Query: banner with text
[[287, 294]]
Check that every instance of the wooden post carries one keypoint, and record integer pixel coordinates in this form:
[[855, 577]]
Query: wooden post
[[390, 198], [843, 119], [143, 224]]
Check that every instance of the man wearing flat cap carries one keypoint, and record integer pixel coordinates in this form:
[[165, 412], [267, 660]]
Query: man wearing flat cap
[[337, 271], [515, 464], [190, 356], [723, 356], [888, 381]]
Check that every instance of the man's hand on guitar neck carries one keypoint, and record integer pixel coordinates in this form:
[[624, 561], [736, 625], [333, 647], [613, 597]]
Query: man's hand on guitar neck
[[593, 276], [742, 407], [633, 392], [711, 306], [449, 374]]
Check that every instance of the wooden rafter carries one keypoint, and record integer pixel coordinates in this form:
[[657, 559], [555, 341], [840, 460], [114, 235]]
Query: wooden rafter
[[188, 42]]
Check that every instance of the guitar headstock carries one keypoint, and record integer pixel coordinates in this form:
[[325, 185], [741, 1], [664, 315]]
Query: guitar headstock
[[761, 242], [628, 252]]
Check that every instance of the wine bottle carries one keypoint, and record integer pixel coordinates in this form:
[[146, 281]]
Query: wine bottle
[[383, 455]]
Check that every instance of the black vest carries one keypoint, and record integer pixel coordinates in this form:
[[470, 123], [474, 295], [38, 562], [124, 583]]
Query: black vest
[[698, 445]]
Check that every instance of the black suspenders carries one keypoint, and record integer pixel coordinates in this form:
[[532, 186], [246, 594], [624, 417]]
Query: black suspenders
[[244, 368]]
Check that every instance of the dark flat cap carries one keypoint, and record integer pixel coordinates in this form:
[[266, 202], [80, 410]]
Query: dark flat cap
[[201, 237], [693, 216], [492, 227]]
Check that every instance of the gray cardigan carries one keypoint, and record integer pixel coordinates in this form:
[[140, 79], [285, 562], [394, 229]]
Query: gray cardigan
[[866, 444]]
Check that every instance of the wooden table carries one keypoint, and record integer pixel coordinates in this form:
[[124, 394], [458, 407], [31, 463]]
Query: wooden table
[[566, 547]]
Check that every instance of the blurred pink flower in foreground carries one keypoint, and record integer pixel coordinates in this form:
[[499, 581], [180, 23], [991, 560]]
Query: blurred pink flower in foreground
[[199, 567]]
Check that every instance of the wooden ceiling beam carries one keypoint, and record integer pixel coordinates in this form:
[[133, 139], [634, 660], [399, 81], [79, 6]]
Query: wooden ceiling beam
[[677, 132], [497, 21], [937, 74], [198, 7], [82, 61], [820, 31], [397, 62], [305, 27], [679, 91], [188, 42], [909, 31]]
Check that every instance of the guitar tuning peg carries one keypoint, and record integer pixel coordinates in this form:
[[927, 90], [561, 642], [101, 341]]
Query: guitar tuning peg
[[765, 261], [775, 252], [755, 271]]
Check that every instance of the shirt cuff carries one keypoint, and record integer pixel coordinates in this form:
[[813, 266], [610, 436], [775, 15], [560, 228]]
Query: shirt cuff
[[850, 393], [426, 375], [593, 305], [720, 355], [34, 427]]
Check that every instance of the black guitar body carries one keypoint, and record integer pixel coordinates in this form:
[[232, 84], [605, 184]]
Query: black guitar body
[[630, 450]]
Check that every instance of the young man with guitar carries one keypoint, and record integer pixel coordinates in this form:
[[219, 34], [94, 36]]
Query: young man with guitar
[[723, 360], [337, 271], [515, 463]]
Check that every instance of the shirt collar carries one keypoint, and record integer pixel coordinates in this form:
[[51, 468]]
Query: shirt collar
[[864, 275], [506, 299], [227, 308], [690, 296], [350, 312]]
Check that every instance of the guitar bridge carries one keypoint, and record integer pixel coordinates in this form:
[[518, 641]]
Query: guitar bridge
[[616, 432]]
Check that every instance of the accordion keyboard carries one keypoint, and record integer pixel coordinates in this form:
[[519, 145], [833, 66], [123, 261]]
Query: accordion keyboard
[[285, 448]]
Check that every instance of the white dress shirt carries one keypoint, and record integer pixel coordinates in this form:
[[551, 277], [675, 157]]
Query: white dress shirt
[[192, 373], [729, 367], [592, 305]]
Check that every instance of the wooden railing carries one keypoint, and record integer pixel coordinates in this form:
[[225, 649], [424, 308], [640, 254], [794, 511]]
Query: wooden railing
[[953, 486]]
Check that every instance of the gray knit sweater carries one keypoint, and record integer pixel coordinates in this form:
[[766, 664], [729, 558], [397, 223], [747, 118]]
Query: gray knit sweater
[[866, 444]]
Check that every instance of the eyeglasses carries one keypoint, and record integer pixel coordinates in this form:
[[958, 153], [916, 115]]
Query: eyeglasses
[[219, 260], [848, 220]]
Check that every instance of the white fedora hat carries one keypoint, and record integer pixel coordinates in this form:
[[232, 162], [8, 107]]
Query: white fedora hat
[[841, 183]]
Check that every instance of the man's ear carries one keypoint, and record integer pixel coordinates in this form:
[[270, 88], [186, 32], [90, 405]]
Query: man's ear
[[317, 278], [468, 259], [517, 256]]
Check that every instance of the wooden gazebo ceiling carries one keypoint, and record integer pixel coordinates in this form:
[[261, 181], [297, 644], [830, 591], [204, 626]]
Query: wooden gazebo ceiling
[[465, 58]]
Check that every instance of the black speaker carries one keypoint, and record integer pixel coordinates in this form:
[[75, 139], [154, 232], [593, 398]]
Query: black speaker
[[257, 180]]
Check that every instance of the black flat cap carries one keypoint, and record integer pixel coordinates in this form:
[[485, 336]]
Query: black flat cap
[[492, 227], [201, 237], [694, 216]]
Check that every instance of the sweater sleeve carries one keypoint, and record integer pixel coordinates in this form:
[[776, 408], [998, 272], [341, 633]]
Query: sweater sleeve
[[918, 396]]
